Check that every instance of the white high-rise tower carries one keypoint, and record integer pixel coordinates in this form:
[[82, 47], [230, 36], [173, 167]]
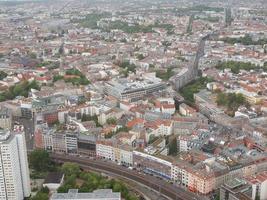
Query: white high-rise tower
[[14, 170]]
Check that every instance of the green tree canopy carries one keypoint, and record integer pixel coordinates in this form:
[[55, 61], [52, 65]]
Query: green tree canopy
[[20, 89], [195, 86], [165, 74], [140, 56], [112, 120], [231, 100], [39, 160], [69, 169], [237, 66], [3, 75], [40, 196]]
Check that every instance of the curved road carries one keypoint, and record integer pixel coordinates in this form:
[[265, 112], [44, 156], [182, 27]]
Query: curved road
[[163, 187]]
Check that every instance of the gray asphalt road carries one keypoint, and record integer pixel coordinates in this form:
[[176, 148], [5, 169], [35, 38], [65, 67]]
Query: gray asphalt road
[[29, 131]]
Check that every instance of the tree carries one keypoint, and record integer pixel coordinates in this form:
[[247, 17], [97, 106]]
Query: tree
[[70, 169], [93, 181], [193, 87], [39, 160], [64, 188], [123, 40], [57, 77], [240, 99], [127, 67], [140, 56], [166, 43], [45, 190], [231, 100], [151, 66], [33, 55], [40, 196], [221, 98], [131, 197], [33, 85], [117, 187], [74, 72], [111, 120], [237, 66], [165, 75], [20, 89], [110, 134], [246, 40], [17, 89], [3, 75], [2, 98], [216, 195], [91, 118]]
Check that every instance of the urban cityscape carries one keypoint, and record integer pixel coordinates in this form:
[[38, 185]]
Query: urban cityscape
[[133, 100]]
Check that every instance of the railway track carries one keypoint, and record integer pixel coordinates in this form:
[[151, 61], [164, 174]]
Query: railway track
[[169, 190]]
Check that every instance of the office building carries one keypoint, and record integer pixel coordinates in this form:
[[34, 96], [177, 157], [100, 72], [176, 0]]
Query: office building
[[124, 89]]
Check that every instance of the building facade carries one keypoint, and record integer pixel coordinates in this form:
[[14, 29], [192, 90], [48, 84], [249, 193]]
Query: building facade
[[5, 118], [14, 170]]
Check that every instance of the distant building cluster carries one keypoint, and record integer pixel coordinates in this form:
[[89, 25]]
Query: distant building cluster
[[175, 90]]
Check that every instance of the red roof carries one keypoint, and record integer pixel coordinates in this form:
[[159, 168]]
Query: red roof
[[134, 122]]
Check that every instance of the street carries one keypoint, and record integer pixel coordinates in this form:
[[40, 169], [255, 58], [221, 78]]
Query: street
[[29, 130]]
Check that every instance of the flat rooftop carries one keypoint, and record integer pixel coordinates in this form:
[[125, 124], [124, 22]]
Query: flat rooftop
[[233, 183], [73, 194], [126, 84]]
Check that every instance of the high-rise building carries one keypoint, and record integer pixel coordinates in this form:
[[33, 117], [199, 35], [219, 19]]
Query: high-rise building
[[14, 170]]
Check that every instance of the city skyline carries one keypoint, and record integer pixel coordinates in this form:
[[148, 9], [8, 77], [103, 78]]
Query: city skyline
[[144, 99]]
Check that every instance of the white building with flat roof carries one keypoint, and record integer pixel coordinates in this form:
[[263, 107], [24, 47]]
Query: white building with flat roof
[[102, 194], [133, 90]]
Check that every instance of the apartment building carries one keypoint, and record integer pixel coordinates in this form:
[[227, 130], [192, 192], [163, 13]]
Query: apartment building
[[60, 142], [104, 149], [159, 128], [111, 150], [209, 174], [14, 170], [152, 164], [258, 183], [186, 110]]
